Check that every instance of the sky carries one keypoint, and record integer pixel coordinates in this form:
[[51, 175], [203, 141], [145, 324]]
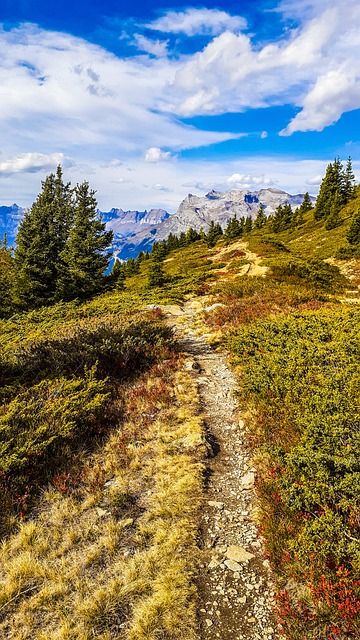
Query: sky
[[150, 101]]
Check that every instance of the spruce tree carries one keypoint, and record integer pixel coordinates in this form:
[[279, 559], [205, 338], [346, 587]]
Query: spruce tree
[[7, 279], [277, 219], [233, 229], [248, 224], [329, 185], [353, 234], [260, 219], [306, 204], [156, 276], [214, 233], [349, 182], [83, 259], [37, 249], [333, 220]]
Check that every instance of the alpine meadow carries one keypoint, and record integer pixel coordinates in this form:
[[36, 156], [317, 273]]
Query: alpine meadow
[[180, 320]]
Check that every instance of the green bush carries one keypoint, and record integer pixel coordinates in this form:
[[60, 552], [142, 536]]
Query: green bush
[[300, 373]]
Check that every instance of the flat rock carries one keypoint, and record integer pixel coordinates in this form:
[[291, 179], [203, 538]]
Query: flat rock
[[217, 505], [248, 479], [238, 554], [232, 565]]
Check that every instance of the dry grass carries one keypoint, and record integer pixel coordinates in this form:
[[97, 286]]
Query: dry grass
[[115, 557]]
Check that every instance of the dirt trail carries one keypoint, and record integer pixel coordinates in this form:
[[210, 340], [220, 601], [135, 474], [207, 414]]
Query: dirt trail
[[236, 595]]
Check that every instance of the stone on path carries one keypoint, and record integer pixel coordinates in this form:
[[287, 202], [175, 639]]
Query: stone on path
[[238, 554]]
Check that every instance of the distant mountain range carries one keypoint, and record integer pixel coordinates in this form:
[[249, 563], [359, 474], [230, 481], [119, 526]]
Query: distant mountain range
[[135, 231], [199, 211]]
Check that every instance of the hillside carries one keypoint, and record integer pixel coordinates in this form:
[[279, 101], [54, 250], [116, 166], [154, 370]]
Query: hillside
[[181, 461]]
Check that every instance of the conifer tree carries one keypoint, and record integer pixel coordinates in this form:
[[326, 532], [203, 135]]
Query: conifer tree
[[260, 219], [353, 234], [329, 186], [191, 236], [118, 275], [83, 258], [37, 249], [248, 224], [349, 182], [333, 220], [156, 277], [214, 233], [234, 229], [306, 204], [7, 279]]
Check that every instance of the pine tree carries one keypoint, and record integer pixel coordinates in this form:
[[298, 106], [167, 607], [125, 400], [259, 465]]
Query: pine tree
[[191, 236], [83, 258], [349, 182], [329, 186], [214, 233], [353, 234], [234, 229], [277, 219], [333, 220], [260, 219], [306, 204], [248, 224], [118, 275], [7, 279], [156, 277], [37, 249]]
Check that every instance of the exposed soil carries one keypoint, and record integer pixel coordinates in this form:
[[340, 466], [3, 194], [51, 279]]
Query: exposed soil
[[235, 589]]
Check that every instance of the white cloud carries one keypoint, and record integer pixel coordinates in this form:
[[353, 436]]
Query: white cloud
[[33, 163], [154, 154], [157, 48], [160, 187], [63, 91], [314, 180], [246, 181], [264, 134], [197, 22], [313, 67]]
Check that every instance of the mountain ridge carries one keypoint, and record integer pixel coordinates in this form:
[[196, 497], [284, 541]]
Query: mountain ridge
[[136, 231]]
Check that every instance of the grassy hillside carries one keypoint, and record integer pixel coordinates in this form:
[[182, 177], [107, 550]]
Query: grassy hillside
[[102, 444]]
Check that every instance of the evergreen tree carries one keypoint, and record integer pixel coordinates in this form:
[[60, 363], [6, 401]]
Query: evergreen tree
[[328, 188], [118, 275], [191, 236], [260, 219], [248, 224], [306, 204], [353, 234], [234, 229], [156, 277], [7, 279], [214, 233], [83, 258], [333, 220], [37, 249], [349, 182]]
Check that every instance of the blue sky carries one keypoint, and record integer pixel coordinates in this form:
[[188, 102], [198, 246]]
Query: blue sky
[[151, 101]]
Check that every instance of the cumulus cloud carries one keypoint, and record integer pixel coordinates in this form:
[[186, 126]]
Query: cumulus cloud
[[157, 48], [33, 162], [154, 154], [74, 93], [314, 180], [193, 22], [313, 67], [246, 181]]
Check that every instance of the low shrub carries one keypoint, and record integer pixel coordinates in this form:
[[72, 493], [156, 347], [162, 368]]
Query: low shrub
[[300, 375]]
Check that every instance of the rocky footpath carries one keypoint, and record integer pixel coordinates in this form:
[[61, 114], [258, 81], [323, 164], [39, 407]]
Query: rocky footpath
[[234, 584]]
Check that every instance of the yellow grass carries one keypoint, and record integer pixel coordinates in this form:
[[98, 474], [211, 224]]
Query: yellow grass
[[117, 559]]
